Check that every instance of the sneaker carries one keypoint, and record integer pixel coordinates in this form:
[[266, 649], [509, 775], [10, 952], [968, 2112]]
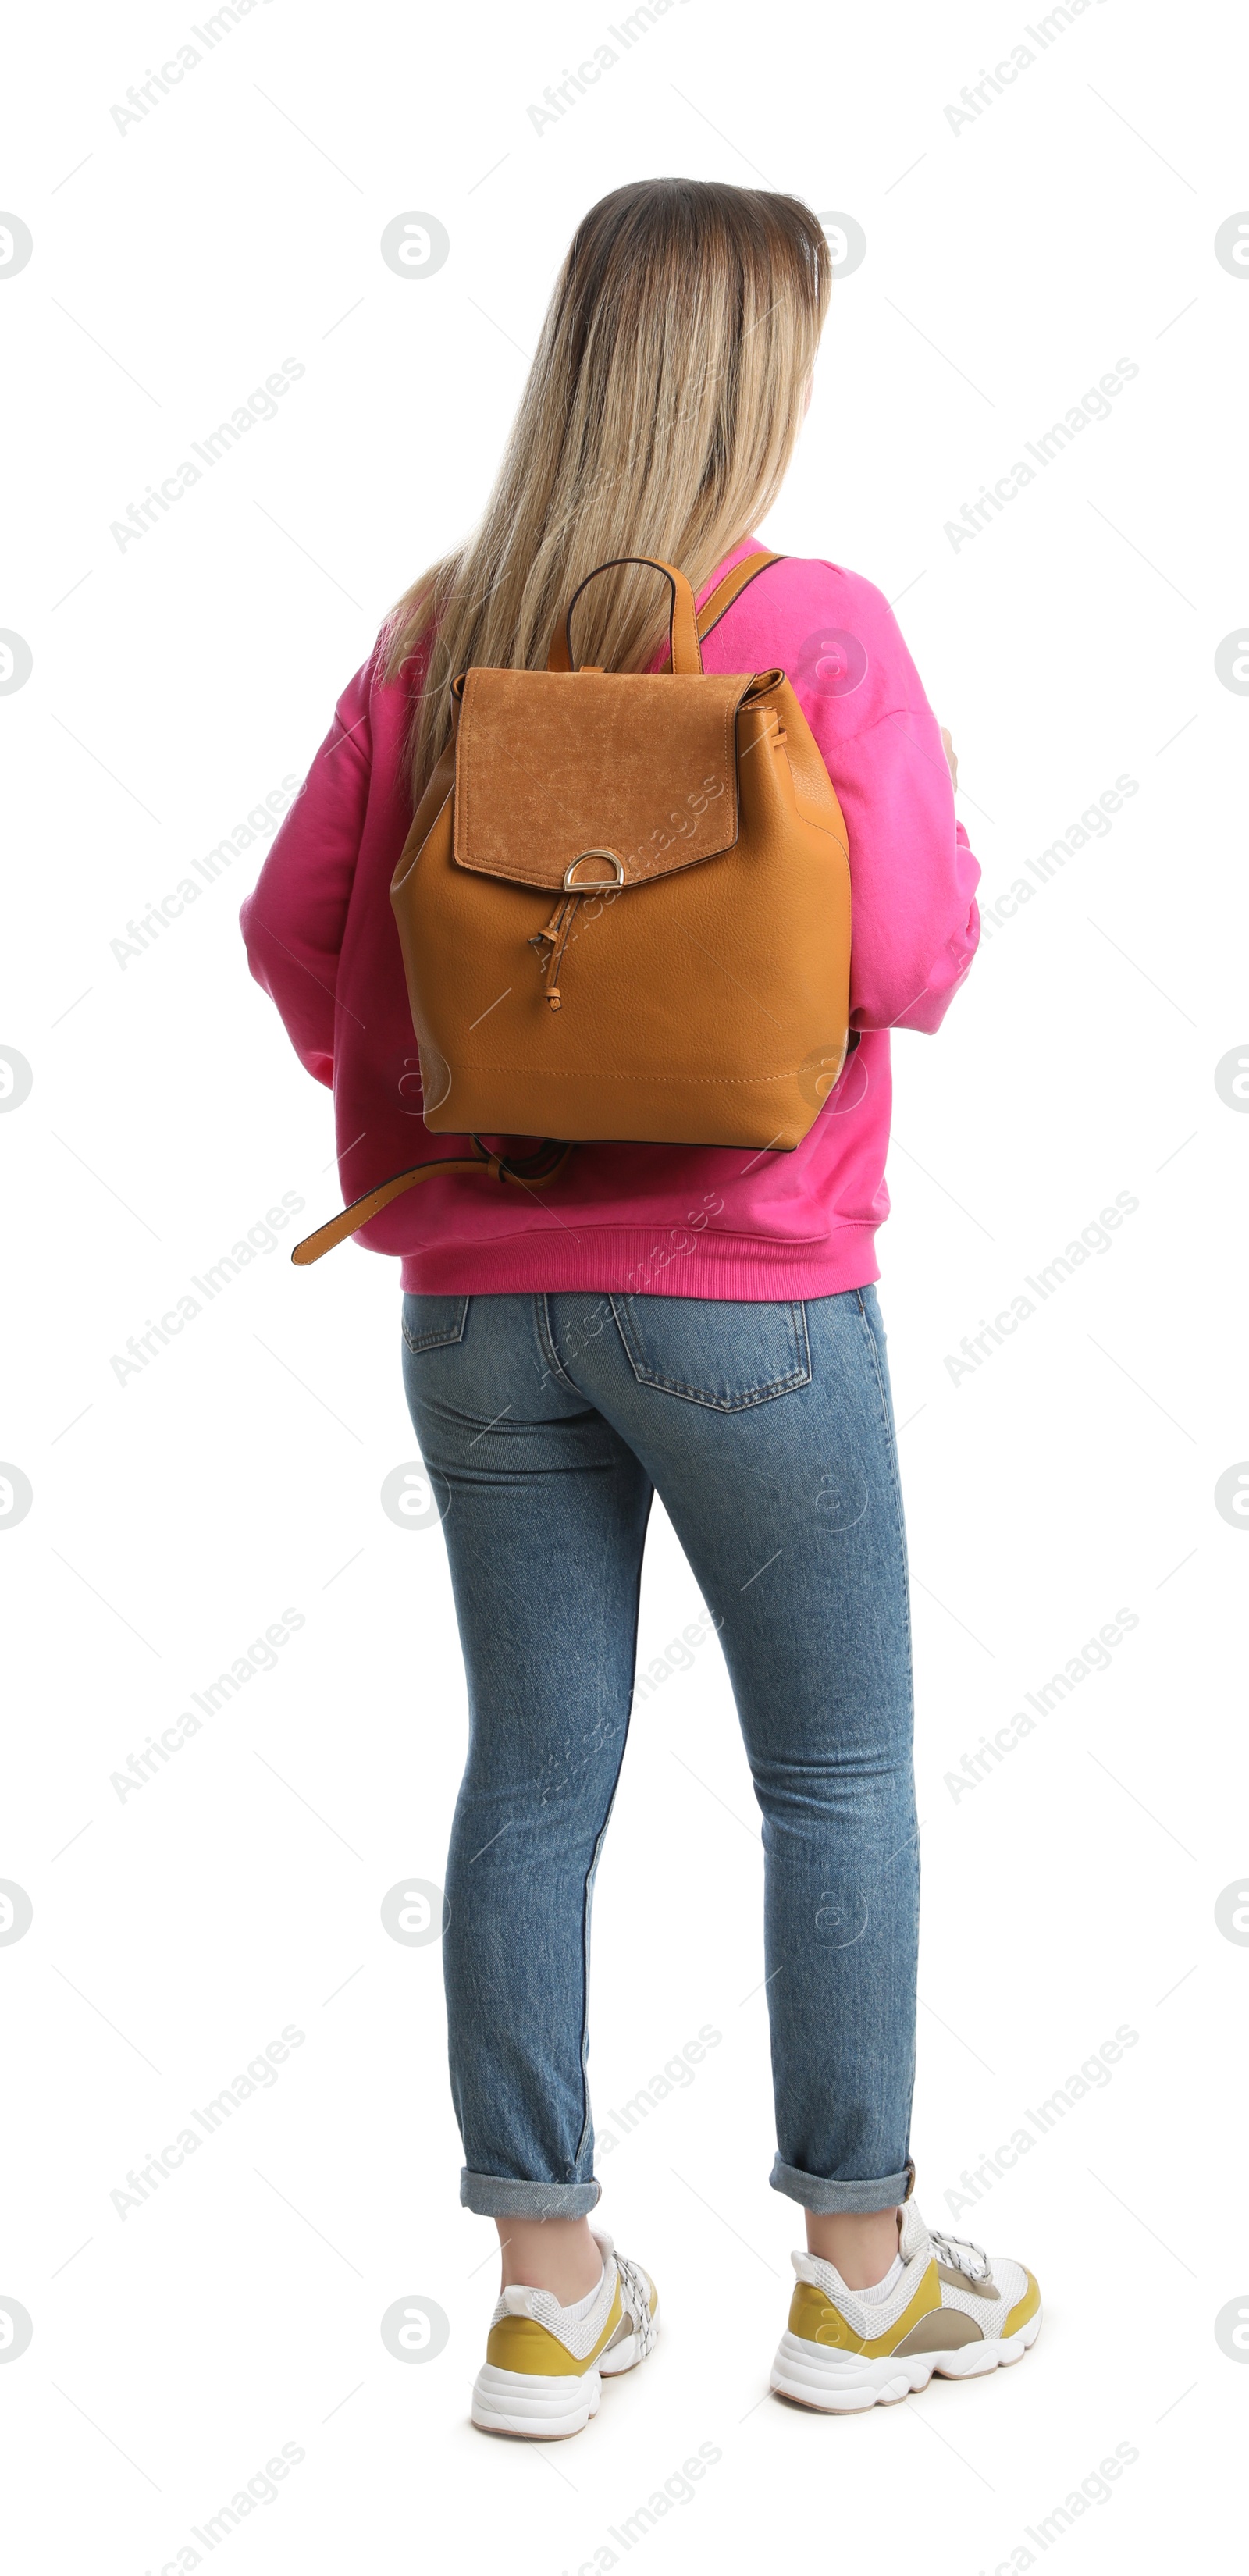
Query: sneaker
[[544, 2366], [951, 2309]]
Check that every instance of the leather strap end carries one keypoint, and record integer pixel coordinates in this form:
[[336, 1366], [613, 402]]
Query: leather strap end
[[362, 1210], [533, 1173]]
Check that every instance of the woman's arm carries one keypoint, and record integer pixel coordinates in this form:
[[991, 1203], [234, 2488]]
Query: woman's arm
[[293, 921], [914, 921]]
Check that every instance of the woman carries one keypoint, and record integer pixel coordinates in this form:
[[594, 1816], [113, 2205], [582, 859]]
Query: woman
[[680, 1320]]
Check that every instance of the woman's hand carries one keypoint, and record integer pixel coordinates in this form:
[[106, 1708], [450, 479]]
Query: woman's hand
[[951, 755]]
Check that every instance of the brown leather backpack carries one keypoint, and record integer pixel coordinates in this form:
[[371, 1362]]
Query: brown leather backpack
[[624, 909]]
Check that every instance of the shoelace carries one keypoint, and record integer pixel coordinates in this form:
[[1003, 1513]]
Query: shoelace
[[638, 2299], [961, 2255]]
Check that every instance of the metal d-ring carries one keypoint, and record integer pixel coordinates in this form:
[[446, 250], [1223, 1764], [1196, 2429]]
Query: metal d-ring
[[599, 884]]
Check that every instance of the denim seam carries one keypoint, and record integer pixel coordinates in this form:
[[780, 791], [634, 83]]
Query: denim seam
[[587, 1901], [912, 1844], [587, 2121], [886, 1413], [545, 1337], [788, 1385]]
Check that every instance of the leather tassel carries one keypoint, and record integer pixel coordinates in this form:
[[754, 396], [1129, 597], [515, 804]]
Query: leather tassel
[[555, 937]]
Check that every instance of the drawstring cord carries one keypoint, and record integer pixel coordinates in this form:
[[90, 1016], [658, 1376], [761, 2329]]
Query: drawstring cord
[[555, 939]]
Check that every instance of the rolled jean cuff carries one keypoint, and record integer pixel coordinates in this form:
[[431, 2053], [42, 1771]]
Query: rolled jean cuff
[[494, 2196], [825, 2199]]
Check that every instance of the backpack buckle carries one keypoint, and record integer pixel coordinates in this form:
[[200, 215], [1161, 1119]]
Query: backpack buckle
[[597, 885]]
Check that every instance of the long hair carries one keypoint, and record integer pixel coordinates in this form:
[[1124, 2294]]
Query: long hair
[[659, 418]]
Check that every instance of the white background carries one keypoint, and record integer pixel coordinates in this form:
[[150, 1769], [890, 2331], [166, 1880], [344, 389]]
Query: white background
[[174, 683]]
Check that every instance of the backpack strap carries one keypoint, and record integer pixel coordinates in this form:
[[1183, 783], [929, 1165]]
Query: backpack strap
[[725, 592], [533, 1172]]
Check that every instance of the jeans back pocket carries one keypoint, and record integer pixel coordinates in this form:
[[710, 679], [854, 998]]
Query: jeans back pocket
[[429, 1322], [717, 1351]]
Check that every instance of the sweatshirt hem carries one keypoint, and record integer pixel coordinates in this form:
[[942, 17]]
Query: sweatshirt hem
[[629, 1261]]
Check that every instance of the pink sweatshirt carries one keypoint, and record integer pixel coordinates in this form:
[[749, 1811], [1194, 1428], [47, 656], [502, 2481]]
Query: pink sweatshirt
[[692, 1221]]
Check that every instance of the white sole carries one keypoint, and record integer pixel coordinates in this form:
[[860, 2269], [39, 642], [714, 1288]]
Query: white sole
[[843, 2383], [537, 2408]]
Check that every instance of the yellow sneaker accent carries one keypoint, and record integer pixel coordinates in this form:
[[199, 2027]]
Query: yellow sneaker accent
[[816, 2320], [1023, 2308], [520, 2343]]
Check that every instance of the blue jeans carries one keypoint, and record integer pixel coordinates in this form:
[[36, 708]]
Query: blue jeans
[[545, 1424]]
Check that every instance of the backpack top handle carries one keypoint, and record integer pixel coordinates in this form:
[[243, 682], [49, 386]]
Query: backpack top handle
[[684, 653]]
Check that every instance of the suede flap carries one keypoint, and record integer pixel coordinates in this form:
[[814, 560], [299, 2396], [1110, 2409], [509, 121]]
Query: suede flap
[[551, 764]]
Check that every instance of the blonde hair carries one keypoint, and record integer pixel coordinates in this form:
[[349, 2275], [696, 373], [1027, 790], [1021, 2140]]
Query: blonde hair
[[659, 418]]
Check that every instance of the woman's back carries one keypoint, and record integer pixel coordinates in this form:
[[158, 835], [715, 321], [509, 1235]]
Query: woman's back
[[696, 1221]]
